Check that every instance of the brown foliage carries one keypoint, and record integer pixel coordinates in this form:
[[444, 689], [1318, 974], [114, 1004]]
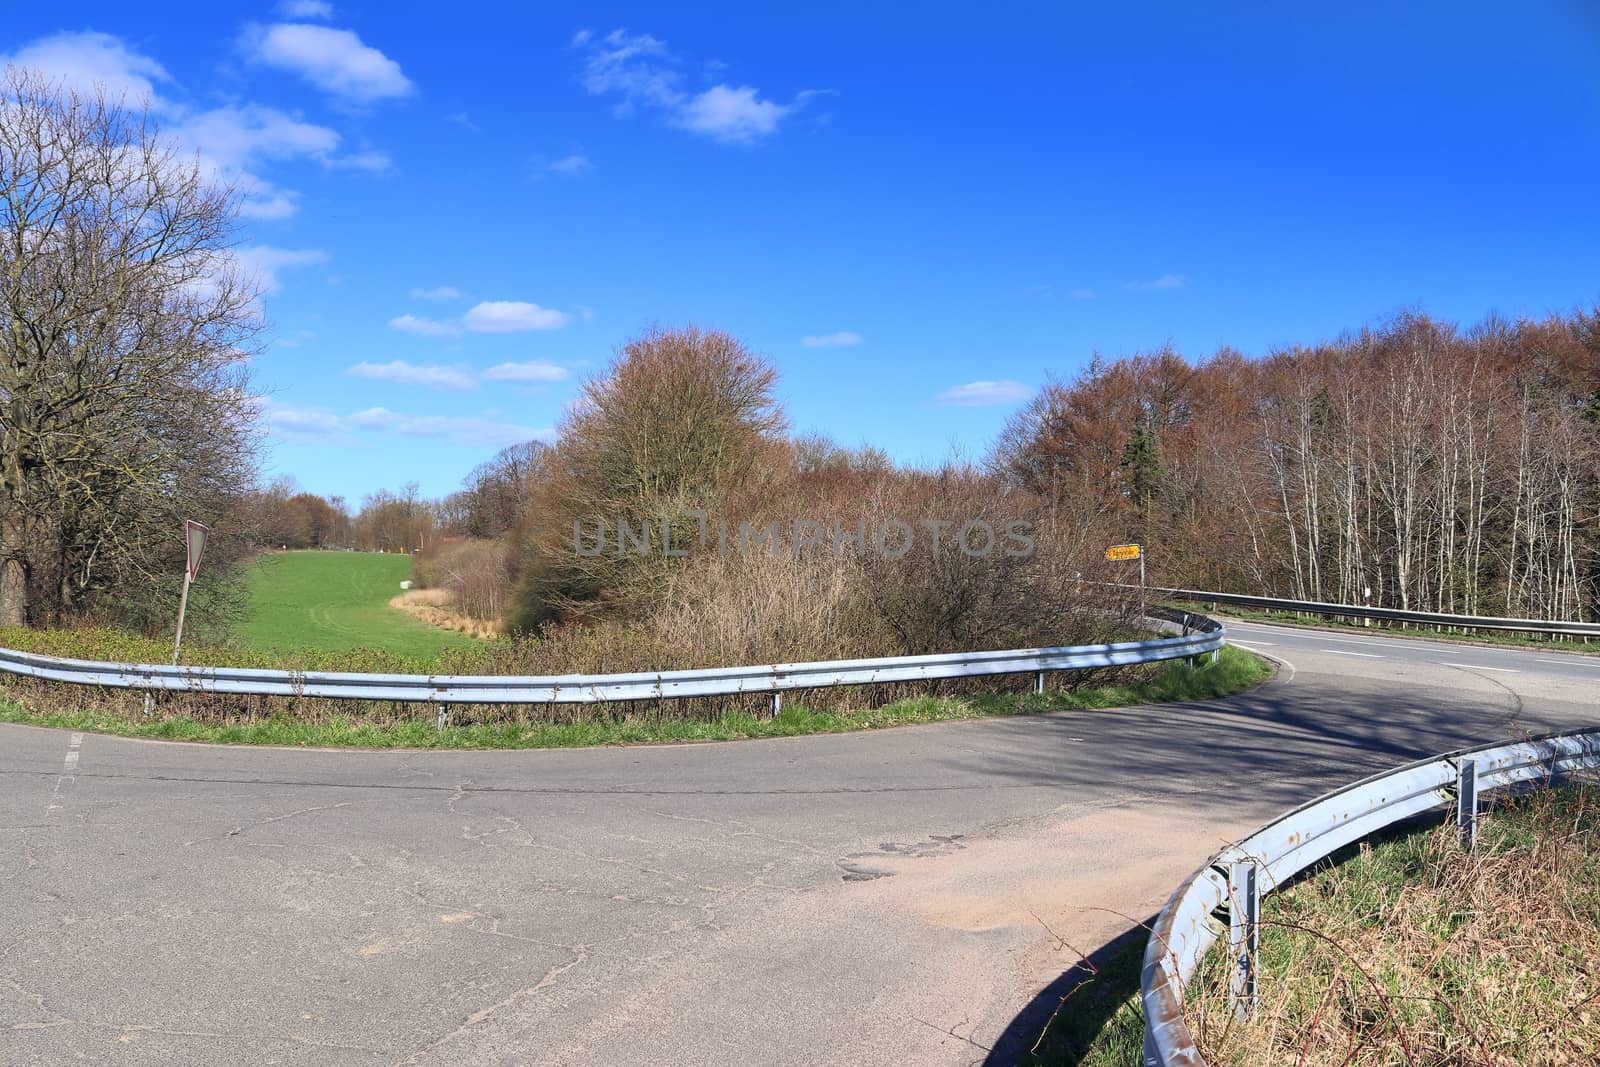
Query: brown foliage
[[682, 421], [1442, 470]]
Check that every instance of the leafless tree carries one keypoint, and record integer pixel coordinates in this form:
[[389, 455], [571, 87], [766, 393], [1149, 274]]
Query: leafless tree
[[125, 327]]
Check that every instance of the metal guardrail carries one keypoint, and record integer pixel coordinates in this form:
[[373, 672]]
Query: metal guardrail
[[1195, 636], [1237, 877], [1359, 611]]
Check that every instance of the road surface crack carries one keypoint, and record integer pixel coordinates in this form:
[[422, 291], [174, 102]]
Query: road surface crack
[[242, 827], [551, 977]]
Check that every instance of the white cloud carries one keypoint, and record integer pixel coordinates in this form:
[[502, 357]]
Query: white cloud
[[314, 426], [371, 159], [231, 142], [238, 136], [336, 61], [84, 61], [305, 9], [262, 200], [512, 316], [295, 340], [441, 292], [985, 394], [374, 419], [307, 425], [473, 431], [571, 165], [1166, 281], [465, 430], [427, 375], [736, 115], [629, 64], [489, 316], [641, 72], [263, 262], [424, 327], [536, 370], [842, 339]]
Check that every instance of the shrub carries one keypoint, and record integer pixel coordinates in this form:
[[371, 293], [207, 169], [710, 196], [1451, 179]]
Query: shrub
[[476, 574]]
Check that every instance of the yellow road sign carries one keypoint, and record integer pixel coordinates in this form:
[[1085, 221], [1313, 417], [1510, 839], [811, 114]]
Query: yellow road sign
[[1122, 552]]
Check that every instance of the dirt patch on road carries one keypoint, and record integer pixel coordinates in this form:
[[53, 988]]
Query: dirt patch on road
[[1077, 882], [437, 608]]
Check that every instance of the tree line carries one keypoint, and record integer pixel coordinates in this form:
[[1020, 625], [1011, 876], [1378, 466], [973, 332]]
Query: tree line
[[1414, 464]]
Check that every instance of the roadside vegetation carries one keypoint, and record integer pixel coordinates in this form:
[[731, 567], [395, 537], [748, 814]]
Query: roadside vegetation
[[370, 726], [1407, 950]]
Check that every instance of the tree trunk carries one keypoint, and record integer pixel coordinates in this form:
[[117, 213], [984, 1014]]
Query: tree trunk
[[13, 570]]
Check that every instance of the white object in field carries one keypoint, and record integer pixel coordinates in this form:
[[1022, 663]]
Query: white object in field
[[405, 584]]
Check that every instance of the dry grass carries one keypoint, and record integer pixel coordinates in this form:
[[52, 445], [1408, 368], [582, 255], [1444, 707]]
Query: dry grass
[[1415, 952], [438, 607]]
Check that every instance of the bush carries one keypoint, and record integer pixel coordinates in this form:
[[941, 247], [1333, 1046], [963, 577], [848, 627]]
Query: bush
[[476, 574], [683, 420]]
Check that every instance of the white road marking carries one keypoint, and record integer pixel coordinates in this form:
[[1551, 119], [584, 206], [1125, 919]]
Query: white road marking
[[1311, 635], [69, 771], [1363, 655], [1481, 667]]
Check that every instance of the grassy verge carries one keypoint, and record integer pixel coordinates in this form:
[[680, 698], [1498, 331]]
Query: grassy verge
[[1410, 951], [1417, 952], [1532, 642], [1234, 671]]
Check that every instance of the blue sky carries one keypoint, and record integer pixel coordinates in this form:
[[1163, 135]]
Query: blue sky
[[916, 213]]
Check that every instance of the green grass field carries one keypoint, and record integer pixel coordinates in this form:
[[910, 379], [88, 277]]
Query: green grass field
[[330, 601]]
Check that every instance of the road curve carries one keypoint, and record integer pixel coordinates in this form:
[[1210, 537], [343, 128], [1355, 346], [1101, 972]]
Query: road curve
[[896, 896]]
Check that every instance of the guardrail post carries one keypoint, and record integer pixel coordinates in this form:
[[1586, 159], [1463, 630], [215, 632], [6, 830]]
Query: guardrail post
[[443, 718], [1244, 933], [1467, 803], [777, 702], [1038, 682]]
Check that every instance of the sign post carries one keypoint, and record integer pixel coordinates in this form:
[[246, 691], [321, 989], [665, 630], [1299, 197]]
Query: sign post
[[1121, 552], [194, 547]]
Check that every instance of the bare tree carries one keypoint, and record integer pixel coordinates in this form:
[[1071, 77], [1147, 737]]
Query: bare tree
[[124, 332], [497, 491], [684, 419]]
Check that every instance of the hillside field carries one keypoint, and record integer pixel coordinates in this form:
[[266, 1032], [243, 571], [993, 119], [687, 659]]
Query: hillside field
[[336, 600]]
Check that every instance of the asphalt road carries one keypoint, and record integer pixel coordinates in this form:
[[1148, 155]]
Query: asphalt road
[[893, 897]]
